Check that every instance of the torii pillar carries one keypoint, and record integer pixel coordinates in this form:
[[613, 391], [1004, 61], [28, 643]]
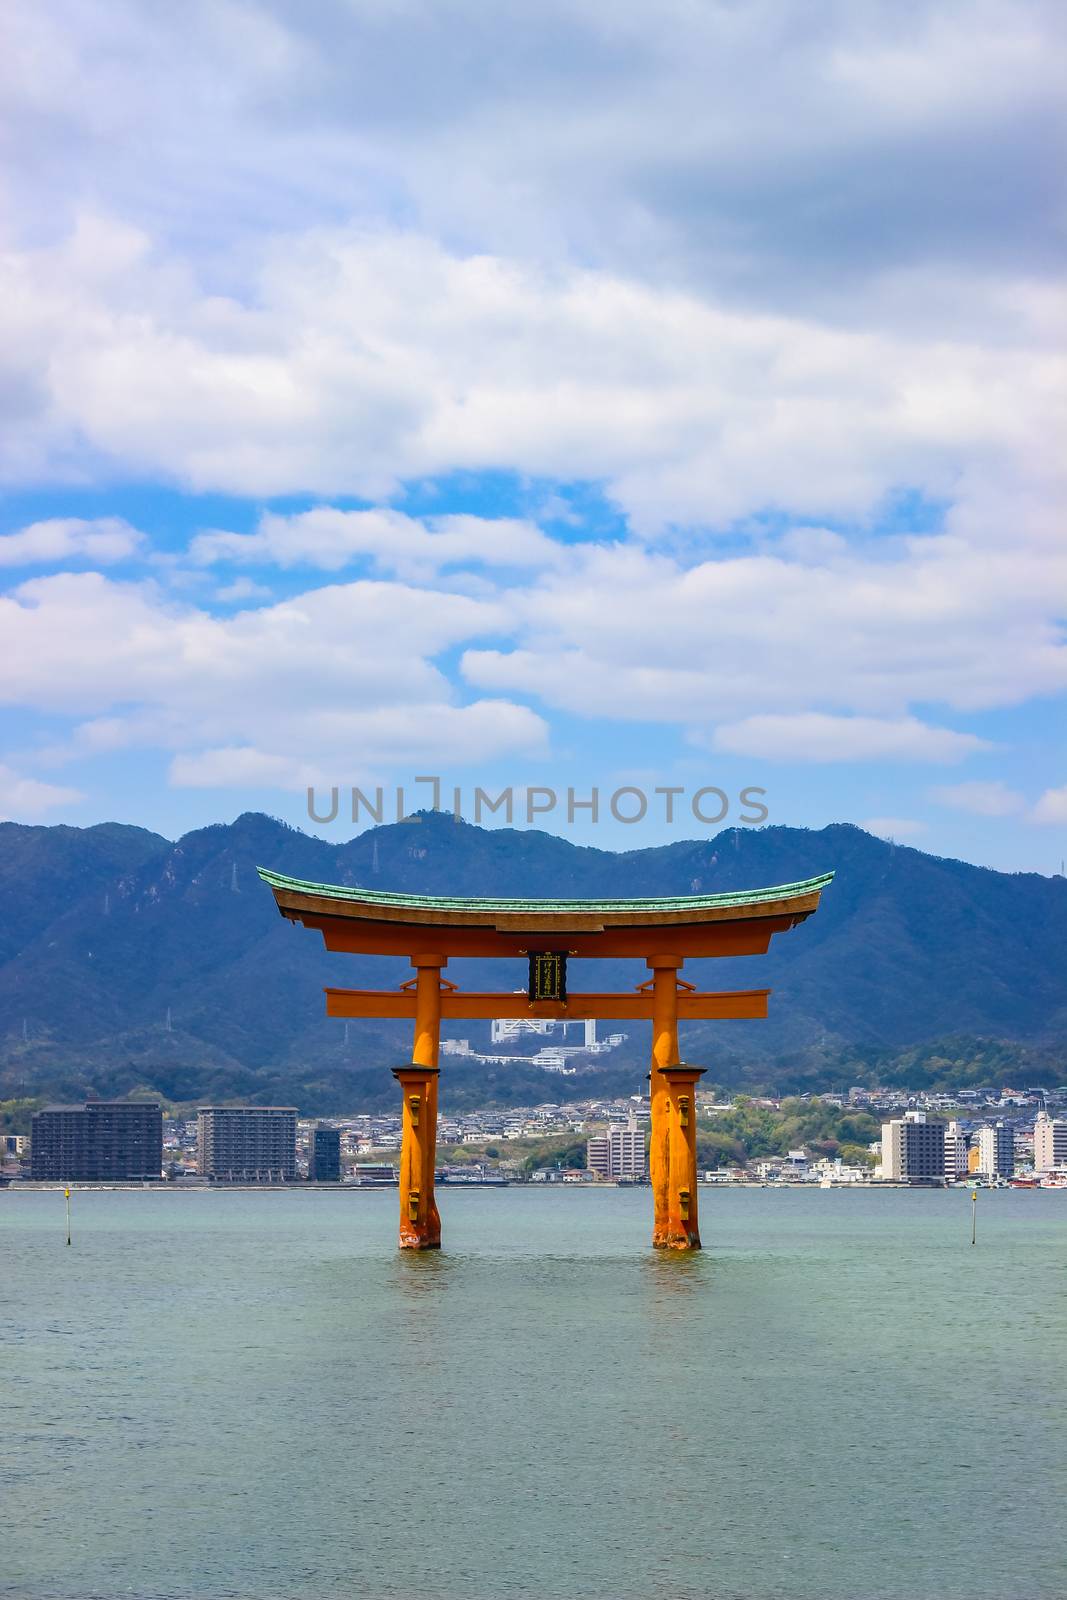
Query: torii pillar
[[664, 1054], [420, 1220], [682, 1232], [672, 1154]]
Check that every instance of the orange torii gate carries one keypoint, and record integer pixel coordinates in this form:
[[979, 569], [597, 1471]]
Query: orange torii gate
[[430, 930]]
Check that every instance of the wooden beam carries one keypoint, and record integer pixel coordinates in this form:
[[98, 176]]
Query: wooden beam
[[750, 937], [637, 1007]]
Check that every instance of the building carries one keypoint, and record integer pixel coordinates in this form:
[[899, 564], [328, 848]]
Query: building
[[13, 1146], [246, 1144], [98, 1141], [324, 1155], [996, 1150], [618, 1153], [913, 1150], [955, 1151], [502, 1030], [374, 1175], [1050, 1142]]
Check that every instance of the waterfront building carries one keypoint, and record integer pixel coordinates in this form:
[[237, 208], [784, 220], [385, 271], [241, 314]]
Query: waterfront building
[[13, 1146], [246, 1144], [913, 1149], [830, 1173], [598, 1154], [619, 1152], [374, 1174], [1050, 1142], [98, 1141], [996, 1150], [324, 1155], [956, 1150]]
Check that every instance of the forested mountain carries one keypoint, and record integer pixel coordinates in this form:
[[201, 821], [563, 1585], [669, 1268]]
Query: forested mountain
[[128, 961]]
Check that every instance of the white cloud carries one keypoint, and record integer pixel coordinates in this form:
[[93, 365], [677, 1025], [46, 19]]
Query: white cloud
[[814, 736], [339, 681], [818, 659], [815, 546], [331, 539], [737, 145], [362, 360], [624, 633], [981, 799], [1051, 807], [22, 797], [894, 827], [697, 256], [241, 767], [242, 589], [59, 539], [348, 744], [81, 642]]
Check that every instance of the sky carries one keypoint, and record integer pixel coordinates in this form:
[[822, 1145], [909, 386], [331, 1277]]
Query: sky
[[545, 397]]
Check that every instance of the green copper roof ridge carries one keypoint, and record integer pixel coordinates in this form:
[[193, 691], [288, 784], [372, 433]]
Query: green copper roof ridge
[[423, 902]]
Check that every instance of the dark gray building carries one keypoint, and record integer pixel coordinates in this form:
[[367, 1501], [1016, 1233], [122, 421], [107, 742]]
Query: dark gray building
[[324, 1155], [913, 1150], [246, 1144], [97, 1141]]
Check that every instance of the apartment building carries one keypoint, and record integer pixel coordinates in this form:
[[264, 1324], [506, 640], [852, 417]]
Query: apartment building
[[246, 1144], [996, 1150], [1050, 1142], [324, 1155], [619, 1152], [956, 1145], [98, 1141], [913, 1149]]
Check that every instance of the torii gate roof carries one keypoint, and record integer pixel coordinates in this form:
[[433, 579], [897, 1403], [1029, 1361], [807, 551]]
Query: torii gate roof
[[375, 921]]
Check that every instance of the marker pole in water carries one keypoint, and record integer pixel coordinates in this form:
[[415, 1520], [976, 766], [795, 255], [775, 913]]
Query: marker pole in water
[[66, 1195], [974, 1215]]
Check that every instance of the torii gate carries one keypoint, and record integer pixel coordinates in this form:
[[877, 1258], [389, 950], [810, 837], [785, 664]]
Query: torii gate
[[430, 930]]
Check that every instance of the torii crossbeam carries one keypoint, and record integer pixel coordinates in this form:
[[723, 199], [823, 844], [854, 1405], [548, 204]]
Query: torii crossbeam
[[429, 930]]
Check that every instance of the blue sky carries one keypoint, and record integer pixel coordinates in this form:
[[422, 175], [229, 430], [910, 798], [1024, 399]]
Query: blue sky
[[583, 396]]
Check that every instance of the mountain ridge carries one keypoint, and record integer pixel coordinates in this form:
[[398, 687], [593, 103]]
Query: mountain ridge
[[129, 960]]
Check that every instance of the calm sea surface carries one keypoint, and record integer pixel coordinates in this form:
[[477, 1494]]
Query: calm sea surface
[[255, 1395]]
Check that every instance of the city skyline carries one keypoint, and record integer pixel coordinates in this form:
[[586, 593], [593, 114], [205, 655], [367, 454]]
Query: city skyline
[[968, 1135]]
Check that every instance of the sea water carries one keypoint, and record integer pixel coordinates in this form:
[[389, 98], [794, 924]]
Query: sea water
[[255, 1395]]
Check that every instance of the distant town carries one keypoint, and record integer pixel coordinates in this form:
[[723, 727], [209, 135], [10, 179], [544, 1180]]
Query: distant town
[[868, 1136]]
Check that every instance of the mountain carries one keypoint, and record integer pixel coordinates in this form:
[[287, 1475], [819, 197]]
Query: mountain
[[128, 961]]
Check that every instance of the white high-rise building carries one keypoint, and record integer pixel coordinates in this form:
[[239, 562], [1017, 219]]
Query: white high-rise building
[[913, 1150], [502, 1030], [996, 1150], [955, 1151], [618, 1153], [1050, 1142]]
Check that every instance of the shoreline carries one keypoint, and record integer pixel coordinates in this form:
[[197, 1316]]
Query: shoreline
[[28, 1186]]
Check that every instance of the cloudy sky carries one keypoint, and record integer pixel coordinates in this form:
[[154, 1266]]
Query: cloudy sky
[[560, 394]]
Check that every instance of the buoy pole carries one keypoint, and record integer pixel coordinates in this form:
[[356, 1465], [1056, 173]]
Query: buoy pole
[[974, 1215], [66, 1195]]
